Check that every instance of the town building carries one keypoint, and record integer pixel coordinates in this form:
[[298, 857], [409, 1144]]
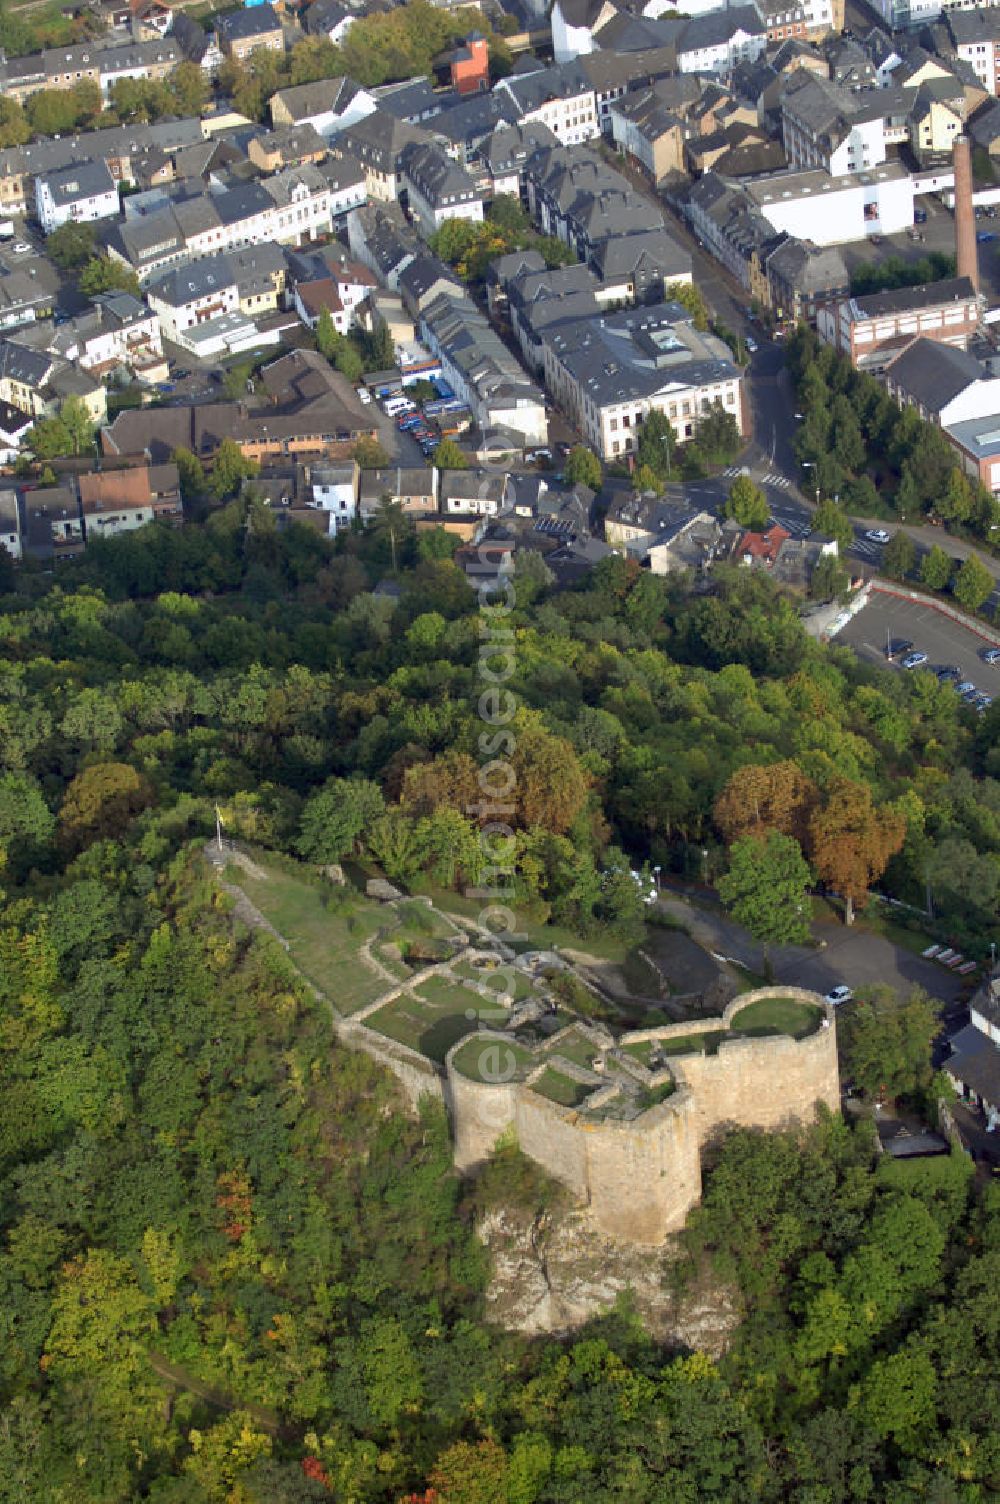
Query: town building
[[469, 65], [975, 35], [413, 488], [561, 97], [719, 41], [10, 524], [82, 194], [663, 536], [328, 18], [437, 189], [119, 501], [334, 490], [872, 330], [803, 278], [242, 32], [974, 1062], [610, 373], [812, 205], [942, 383], [328, 106], [481, 370], [248, 282], [377, 142], [290, 207]]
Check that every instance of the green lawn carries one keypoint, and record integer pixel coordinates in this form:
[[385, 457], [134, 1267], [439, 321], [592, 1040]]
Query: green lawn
[[483, 1055], [574, 1048], [323, 930], [562, 1089], [521, 988], [778, 1015], [431, 1027]]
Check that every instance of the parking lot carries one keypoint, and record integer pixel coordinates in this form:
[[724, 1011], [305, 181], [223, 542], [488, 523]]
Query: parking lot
[[944, 640]]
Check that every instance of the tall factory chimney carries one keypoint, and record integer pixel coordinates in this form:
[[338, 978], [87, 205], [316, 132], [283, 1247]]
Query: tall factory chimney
[[965, 219]]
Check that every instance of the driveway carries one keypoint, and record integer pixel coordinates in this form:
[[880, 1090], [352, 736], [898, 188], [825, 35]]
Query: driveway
[[846, 955]]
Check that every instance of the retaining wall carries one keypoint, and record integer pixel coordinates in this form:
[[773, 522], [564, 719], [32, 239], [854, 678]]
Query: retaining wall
[[418, 1076]]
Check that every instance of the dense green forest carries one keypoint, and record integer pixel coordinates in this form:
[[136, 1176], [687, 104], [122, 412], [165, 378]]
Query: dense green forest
[[233, 1269]]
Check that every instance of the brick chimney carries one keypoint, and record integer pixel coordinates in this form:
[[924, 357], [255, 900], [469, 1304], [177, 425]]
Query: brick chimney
[[965, 219]]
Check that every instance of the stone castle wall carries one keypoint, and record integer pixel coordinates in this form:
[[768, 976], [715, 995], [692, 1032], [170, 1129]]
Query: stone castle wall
[[417, 1075], [480, 1112], [641, 1177], [772, 1081]]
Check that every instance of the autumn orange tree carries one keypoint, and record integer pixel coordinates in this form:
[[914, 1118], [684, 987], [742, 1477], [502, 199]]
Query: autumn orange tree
[[850, 841], [776, 796]]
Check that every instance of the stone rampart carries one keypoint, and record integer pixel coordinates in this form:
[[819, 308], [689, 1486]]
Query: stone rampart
[[763, 1081], [417, 1075], [641, 1176], [481, 1111]]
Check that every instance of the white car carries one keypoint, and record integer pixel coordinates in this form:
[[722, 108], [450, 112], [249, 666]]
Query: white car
[[877, 535], [838, 995], [751, 345], [21, 248]]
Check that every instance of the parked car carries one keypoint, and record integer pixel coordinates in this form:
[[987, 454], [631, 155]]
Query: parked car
[[21, 248], [877, 535], [971, 694], [964, 687], [751, 345], [982, 236], [991, 655], [920, 216], [914, 660], [896, 646], [983, 703], [839, 994], [949, 674]]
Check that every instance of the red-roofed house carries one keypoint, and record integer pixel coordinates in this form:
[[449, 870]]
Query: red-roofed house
[[470, 65], [758, 549], [312, 297]]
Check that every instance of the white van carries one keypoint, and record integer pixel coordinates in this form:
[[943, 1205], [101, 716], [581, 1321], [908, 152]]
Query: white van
[[398, 405]]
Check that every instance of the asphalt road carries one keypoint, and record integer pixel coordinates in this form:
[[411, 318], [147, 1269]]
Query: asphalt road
[[946, 642], [844, 954]]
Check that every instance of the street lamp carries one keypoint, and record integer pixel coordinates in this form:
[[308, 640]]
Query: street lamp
[[666, 440], [704, 865], [656, 875]]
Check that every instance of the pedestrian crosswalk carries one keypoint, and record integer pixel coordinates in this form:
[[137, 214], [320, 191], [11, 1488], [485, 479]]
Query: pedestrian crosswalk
[[794, 523], [772, 478]]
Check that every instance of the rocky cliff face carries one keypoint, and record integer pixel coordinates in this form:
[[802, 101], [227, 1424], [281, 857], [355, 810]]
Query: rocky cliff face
[[553, 1272]]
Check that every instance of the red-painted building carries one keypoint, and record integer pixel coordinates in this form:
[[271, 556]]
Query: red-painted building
[[470, 65]]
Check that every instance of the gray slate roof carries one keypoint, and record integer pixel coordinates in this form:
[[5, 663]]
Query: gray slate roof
[[933, 374]]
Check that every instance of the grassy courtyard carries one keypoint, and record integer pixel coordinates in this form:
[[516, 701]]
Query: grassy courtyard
[[777, 1015], [575, 1048], [324, 928], [483, 1057], [430, 1020], [562, 1089]]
